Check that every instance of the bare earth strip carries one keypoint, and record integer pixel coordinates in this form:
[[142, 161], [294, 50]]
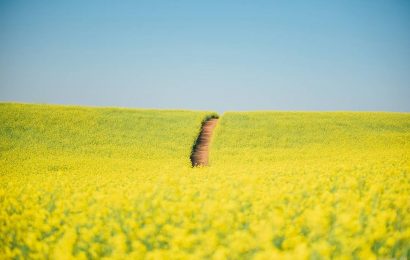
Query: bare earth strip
[[200, 152]]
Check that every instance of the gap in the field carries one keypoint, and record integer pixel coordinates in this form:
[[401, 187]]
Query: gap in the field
[[200, 151]]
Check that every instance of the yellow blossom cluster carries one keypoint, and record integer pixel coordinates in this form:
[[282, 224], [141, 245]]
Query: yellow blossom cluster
[[88, 183]]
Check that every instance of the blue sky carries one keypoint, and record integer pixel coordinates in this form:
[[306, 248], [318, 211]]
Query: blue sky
[[213, 55]]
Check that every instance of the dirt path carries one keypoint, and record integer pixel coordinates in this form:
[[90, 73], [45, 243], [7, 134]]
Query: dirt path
[[200, 153]]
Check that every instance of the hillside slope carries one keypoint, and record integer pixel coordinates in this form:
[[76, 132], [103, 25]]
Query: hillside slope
[[105, 182], [32, 132], [312, 137], [311, 184]]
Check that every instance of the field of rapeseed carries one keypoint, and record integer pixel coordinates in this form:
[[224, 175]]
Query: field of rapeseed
[[86, 183]]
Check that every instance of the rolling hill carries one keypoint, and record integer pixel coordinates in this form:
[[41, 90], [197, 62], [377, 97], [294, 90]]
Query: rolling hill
[[107, 182]]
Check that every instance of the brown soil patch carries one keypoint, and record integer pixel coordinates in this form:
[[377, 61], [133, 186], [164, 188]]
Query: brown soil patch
[[200, 151]]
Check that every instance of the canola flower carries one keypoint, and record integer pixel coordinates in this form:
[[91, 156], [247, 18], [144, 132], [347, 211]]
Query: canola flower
[[87, 183]]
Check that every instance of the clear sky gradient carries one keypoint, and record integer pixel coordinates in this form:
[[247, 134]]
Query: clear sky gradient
[[213, 55]]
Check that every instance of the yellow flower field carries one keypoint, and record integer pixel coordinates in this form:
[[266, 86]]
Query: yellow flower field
[[86, 183]]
